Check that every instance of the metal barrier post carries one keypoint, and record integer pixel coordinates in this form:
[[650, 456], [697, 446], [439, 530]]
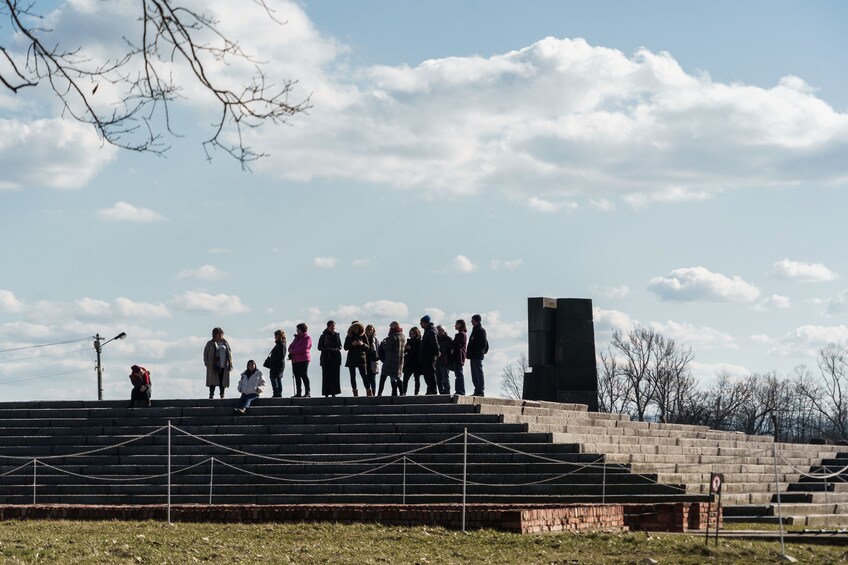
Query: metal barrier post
[[169, 471], [464, 472], [404, 479], [211, 474], [604, 486], [826, 501], [777, 492], [34, 478]]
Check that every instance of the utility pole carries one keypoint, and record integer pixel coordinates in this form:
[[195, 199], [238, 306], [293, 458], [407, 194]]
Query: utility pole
[[97, 348]]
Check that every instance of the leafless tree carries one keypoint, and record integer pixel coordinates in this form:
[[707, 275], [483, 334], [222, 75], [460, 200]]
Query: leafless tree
[[636, 350], [674, 385], [613, 386], [169, 34], [512, 378], [724, 399], [829, 395]]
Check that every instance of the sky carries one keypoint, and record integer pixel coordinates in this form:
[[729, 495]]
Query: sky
[[681, 164]]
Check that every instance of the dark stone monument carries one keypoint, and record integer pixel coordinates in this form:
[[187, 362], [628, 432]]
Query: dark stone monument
[[561, 337]]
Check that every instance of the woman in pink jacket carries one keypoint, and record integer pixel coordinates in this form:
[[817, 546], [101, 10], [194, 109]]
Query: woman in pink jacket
[[300, 358]]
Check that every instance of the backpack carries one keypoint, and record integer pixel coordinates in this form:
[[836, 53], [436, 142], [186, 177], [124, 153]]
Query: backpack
[[381, 351]]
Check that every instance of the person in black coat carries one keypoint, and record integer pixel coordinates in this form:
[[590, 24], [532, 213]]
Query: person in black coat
[[428, 353], [330, 346], [410, 360], [356, 345], [276, 363], [478, 346]]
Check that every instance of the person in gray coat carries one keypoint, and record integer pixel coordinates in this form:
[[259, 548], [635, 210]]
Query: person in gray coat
[[218, 358]]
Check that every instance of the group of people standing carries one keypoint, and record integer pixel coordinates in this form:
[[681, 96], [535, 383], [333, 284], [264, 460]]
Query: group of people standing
[[429, 352]]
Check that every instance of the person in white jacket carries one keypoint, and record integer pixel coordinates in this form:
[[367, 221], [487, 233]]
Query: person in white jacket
[[250, 386]]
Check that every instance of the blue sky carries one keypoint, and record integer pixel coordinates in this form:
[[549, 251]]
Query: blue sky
[[680, 164]]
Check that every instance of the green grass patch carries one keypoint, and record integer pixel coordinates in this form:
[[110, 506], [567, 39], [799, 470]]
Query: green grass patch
[[68, 542]]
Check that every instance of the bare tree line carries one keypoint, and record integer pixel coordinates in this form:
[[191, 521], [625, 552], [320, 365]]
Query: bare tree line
[[649, 376]]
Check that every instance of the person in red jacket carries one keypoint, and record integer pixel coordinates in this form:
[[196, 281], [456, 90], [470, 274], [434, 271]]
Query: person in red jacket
[[140, 379]]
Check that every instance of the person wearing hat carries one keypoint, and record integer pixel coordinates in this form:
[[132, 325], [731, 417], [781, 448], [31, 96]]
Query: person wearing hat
[[428, 353]]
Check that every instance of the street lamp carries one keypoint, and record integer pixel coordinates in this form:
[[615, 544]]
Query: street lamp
[[98, 347]]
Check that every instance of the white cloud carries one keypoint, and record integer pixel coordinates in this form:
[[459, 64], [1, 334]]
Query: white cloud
[[697, 337], [808, 339], [361, 262], [463, 264], [124, 212], [215, 303], [9, 303], [499, 329], [542, 205], [92, 307], [761, 339], [218, 251], [386, 309], [51, 153], [699, 284], [609, 320], [436, 314], [557, 121], [602, 204], [324, 262], [705, 373], [838, 304], [508, 264], [613, 291], [131, 309], [773, 302], [798, 270], [204, 272], [383, 309]]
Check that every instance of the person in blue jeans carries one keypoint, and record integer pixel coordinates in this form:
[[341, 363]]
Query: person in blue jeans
[[478, 347], [250, 386]]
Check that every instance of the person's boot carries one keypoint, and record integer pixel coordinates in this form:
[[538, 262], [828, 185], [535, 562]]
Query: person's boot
[[369, 392], [355, 392], [307, 395]]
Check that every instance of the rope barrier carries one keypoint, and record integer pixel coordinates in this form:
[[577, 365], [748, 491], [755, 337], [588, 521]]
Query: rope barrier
[[309, 481], [308, 462], [122, 479], [813, 475], [25, 465], [90, 451]]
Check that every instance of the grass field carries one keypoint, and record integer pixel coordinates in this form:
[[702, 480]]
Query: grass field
[[155, 542]]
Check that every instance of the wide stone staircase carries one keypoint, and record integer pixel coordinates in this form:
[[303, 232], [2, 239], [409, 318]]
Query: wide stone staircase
[[682, 454], [412, 450]]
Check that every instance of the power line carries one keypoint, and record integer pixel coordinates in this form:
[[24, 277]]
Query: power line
[[44, 376], [46, 355], [45, 345]]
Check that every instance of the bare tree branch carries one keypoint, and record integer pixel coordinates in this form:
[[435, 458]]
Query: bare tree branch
[[169, 33]]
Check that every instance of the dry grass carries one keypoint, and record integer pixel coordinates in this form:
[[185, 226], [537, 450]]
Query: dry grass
[[155, 542]]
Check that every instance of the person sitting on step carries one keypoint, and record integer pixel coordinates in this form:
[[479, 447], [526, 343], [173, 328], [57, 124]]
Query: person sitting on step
[[140, 379], [250, 386]]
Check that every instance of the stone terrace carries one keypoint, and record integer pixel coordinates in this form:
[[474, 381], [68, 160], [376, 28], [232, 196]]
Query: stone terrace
[[302, 451], [682, 454]]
